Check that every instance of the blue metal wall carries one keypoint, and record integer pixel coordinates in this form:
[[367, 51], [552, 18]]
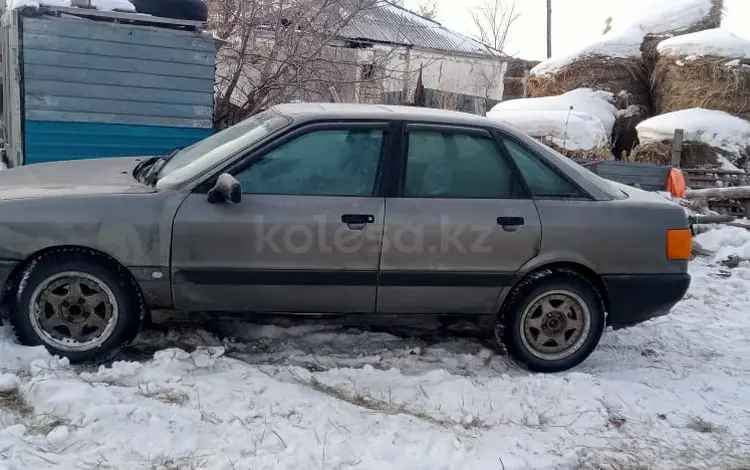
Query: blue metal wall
[[101, 89]]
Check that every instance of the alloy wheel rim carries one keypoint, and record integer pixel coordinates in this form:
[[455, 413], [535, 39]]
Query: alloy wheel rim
[[73, 311], [555, 325]]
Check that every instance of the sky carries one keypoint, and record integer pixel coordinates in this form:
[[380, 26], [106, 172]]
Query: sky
[[575, 23]]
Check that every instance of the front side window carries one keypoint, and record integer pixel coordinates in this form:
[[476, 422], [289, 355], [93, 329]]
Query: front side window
[[321, 163], [542, 181], [455, 165]]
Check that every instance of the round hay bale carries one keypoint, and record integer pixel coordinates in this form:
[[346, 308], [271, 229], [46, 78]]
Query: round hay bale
[[706, 82], [694, 154]]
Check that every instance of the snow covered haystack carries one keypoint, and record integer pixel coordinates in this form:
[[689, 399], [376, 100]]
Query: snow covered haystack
[[578, 123], [657, 31], [713, 139], [707, 69], [616, 64]]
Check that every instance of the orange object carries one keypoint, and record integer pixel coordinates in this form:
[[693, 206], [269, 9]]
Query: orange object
[[679, 244], [676, 183]]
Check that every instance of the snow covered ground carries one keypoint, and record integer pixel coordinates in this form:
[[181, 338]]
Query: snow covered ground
[[669, 394]]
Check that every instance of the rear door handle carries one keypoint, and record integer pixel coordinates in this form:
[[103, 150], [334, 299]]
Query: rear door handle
[[357, 219], [510, 221], [510, 224]]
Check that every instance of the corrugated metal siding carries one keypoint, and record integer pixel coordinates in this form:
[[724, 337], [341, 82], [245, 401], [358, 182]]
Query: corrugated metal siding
[[387, 23], [96, 88], [54, 141]]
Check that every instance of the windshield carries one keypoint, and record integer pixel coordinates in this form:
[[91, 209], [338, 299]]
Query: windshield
[[207, 153]]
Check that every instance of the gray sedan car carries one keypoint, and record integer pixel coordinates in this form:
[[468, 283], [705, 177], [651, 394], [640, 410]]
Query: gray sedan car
[[331, 209]]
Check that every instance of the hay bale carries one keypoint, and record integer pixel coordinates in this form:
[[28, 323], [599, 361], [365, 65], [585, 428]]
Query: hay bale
[[594, 154], [625, 78], [694, 154], [705, 82], [710, 21], [598, 73]]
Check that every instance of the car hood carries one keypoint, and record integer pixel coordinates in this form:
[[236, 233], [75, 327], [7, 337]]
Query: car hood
[[73, 177]]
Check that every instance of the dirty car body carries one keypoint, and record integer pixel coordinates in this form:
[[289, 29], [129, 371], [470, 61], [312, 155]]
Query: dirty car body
[[352, 209]]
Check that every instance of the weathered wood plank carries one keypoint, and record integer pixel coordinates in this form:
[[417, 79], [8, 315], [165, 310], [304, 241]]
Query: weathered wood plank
[[97, 49], [145, 66], [122, 107], [129, 34], [679, 135], [108, 92], [34, 72], [733, 192], [110, 118]]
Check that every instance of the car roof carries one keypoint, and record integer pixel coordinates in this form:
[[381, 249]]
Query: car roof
[[302, 112]]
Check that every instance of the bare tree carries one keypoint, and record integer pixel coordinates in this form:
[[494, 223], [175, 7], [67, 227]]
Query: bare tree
[[273, 51], [493, 21], [428, 9]]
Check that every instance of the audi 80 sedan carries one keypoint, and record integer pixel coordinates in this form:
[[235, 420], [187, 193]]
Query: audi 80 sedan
[[319, 209]]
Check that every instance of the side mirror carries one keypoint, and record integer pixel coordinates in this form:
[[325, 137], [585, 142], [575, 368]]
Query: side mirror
[[226, 189]]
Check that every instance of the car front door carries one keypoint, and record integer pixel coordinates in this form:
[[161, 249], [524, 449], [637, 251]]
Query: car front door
[[306, 236], [461, 226]]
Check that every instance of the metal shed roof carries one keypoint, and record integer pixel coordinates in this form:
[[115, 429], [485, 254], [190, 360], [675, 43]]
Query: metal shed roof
[[387, 23]]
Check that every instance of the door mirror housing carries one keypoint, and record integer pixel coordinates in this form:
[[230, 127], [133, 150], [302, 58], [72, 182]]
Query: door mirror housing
[[226, 189]]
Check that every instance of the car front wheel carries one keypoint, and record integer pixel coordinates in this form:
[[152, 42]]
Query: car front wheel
[[552, 322], [77, 304]]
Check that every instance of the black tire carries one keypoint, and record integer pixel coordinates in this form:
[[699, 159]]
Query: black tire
[[518, 310], [120, 330]]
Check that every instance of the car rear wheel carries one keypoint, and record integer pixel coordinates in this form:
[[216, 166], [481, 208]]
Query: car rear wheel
[[77, 304], [552, 322]]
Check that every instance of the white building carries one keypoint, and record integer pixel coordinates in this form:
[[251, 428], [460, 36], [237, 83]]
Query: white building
[[456, 69], [379, 54]]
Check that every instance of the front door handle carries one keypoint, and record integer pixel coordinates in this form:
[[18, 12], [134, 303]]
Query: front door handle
[[510, 224], [357, 221]]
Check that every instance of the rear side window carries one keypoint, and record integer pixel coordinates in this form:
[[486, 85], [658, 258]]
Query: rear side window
[[457, 166], [543, 181]]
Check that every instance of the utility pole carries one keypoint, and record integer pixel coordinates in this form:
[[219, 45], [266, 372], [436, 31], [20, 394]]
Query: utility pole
[[549, 28]]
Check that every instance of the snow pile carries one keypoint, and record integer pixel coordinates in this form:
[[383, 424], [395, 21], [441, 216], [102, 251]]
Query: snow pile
[[579, 119], [614, 45], [726, 242], [668, 394], [663, 16], [104, 5], [714, 128], [717, 42], [669, 16]]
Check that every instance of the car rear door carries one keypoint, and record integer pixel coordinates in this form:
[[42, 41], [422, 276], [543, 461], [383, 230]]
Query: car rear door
[[306, 236], [460, 226]]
